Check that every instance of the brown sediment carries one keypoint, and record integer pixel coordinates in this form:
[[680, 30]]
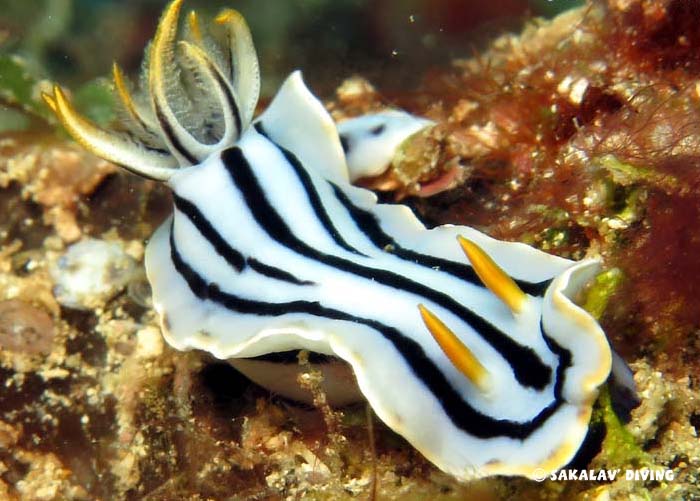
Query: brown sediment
[[25, 328], [54, 175]]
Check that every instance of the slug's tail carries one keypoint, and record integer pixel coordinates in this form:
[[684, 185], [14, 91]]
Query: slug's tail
[[198, 96]]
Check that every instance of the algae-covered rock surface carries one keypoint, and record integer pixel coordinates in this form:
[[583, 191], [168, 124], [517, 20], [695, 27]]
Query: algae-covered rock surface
[[579, 135]]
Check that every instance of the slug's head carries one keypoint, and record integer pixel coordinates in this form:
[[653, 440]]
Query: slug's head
[[197, 96]]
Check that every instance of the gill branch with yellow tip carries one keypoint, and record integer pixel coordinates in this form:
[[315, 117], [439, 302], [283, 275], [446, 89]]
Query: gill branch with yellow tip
[[163, 72], [195, 102], [211, 79], [50, 101], [193, 23], [128, 101], [110, 146], [245, 69], [221, 88]]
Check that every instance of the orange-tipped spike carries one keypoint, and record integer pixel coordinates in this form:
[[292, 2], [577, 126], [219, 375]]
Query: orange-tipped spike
[[229, 16], [493, 276], [193, 22], [460, 356], [49, 100]]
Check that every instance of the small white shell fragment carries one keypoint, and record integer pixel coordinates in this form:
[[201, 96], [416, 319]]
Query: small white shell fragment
[[578, 90], [90, 273], [149, 342]]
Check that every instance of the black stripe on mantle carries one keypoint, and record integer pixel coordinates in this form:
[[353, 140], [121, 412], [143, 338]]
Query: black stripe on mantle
[[528, 368], [461, 413]]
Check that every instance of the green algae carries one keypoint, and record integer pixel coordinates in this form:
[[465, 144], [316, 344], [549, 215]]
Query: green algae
[[17, 88], [95, 99], [21, 104], [603, 287], [634, 205], [620, 448], [625, 174], [556, 234]]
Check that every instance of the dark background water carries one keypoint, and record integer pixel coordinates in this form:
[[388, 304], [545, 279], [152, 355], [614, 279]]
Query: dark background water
[[73, 41]]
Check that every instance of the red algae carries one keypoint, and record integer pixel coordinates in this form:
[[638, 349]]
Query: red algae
[[657, 36], [657, 307], [582, 134]]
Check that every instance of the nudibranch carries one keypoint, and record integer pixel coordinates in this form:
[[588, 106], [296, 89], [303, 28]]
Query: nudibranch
[[471, 348]]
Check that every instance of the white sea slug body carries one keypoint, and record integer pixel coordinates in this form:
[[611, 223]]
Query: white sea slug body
[[271, 249]]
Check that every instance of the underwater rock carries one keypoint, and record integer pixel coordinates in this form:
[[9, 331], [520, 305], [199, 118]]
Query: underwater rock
[[53, 174], [90, 273], [25, 328]]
